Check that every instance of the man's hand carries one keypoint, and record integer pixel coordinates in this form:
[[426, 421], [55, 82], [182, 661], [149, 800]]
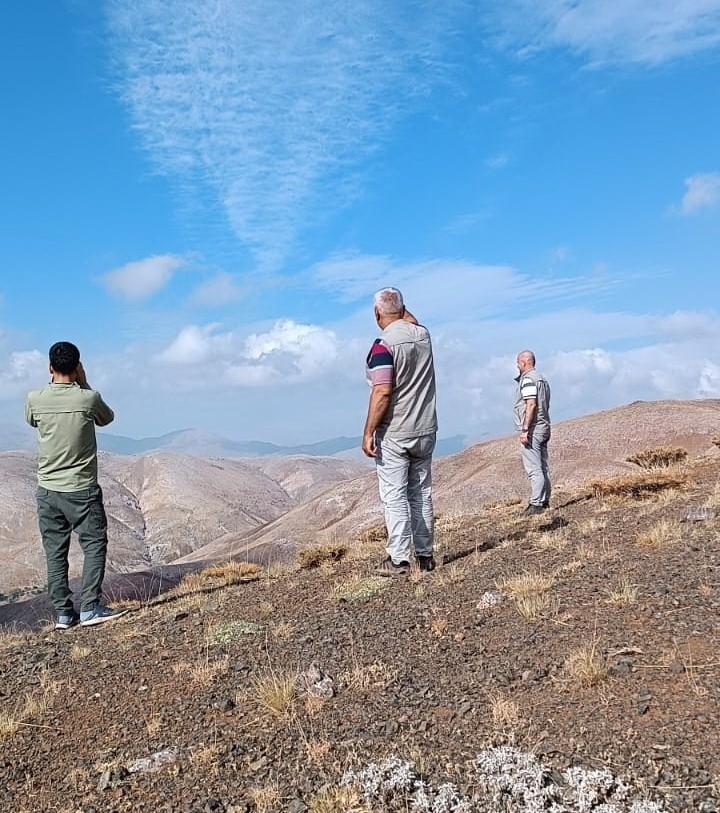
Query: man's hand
[[368, 445], [81, 378], [524, 439]]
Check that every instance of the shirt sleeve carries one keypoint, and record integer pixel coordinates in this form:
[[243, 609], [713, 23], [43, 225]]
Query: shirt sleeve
[[29, 417], [528, 389], [102, 414], [380, 369]]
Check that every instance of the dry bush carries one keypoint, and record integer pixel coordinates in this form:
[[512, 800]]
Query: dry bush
[[660, 458], [314, 557], [439, 626], [230, 573], [637, 486], [275, 690], [505, 712], [660, 534], [495, 505], [586, 666]]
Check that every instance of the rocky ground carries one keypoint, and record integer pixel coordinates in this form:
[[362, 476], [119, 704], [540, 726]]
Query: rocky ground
[[587, 637]]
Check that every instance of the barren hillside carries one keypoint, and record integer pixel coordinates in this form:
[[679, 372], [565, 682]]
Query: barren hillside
[[594, 445], [160, 506], [564, 663]]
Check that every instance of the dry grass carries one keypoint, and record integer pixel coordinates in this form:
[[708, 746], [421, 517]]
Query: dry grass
[[637, 486], [32, 707], [153, 723], [439, 626], [202, 674], [530, 592], [79, 652], [526, 584], [586, 666], [321, 554], [549, 540], [660, 458], [275, 690], [505, 712], [230, 573], [374, 535], [377, 675], [206, 757], [660, 534], [283, 630], [334, 800], [625, 593], [590, 526], [266, 799]]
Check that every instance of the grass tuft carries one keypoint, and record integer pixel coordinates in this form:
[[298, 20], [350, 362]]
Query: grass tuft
[[637, 486], [314, 557], [660, 534], [586, 666], [275, 690], [361, 588], [660, 458]]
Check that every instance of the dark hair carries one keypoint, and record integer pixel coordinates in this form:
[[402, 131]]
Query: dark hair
[[64, 357]]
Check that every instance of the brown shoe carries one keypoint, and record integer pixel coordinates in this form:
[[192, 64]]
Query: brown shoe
[[388, 568]]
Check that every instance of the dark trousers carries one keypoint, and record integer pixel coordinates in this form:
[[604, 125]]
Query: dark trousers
[[59, 514]]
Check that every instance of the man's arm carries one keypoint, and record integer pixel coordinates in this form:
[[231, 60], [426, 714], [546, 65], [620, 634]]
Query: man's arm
[[380, 396], [102, 414], [528, 419], [29, 417]]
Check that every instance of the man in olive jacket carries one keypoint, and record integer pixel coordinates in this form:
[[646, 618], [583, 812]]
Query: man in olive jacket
[[65, 414]]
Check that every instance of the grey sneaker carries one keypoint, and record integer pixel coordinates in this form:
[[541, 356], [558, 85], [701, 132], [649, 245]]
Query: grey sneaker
[[531, 510], [426, 563], [388, 568], [66, 620], [99, 615]]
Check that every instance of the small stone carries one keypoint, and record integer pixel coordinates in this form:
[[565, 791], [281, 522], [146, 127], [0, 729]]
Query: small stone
[[642, 708]]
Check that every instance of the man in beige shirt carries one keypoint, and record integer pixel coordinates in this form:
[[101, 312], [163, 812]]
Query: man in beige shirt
[[65, 414]]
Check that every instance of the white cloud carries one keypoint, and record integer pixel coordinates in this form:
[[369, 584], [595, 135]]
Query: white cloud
[[287, 353], [140, 279], [611, 31], [262, 103], [22, 370], [703, 192]]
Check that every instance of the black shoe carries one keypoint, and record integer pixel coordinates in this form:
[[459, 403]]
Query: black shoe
[[531, 510], [426, 563], [388, 568]]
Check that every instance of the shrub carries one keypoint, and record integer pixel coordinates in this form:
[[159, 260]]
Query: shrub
[[661, 458], [314, 557], [637, 486]]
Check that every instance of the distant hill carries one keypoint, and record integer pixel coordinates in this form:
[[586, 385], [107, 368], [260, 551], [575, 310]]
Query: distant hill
[[200, 443]]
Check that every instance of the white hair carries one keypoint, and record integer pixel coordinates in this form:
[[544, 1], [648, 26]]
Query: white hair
[[389, 300]]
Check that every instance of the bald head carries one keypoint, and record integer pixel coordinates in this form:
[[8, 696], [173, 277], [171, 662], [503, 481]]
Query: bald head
[[526, 361]]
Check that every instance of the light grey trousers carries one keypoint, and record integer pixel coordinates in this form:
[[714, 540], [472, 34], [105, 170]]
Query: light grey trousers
[[535, 461], [405, 485]]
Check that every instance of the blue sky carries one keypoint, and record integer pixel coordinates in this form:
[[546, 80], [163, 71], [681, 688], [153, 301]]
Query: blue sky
[[204, 195]]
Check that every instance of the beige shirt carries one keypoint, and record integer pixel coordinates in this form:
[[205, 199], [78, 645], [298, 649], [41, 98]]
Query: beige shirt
[[65, 416]]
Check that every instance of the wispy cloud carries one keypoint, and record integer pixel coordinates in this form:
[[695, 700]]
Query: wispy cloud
[[451, 288], [262, 103], [702, 192], [612, 31], [140, 279], [222, 289]]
